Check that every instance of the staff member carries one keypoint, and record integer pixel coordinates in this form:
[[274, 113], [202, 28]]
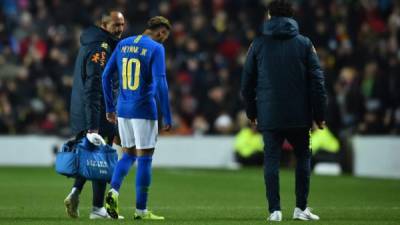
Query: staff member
[[283, 89], [87, 113]]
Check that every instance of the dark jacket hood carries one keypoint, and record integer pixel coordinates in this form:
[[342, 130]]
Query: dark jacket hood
[[96, 34], [281, 28]]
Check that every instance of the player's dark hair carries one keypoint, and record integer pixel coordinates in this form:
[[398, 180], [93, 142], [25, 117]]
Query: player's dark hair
[[280, 8], [157, 22]]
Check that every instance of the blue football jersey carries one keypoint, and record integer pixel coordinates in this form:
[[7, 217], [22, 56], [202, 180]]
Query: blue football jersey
[[140, 62]]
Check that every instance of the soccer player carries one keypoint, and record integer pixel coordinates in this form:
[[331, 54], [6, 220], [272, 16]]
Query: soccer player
[[283, 88], [87, 113], [140, 61]]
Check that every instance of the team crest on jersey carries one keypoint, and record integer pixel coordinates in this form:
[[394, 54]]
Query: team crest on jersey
[[104, 45], [95, 58], [99, 58]]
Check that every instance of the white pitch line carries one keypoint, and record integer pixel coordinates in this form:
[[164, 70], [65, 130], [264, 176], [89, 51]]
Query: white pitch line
[[236, 208], [259, 208]]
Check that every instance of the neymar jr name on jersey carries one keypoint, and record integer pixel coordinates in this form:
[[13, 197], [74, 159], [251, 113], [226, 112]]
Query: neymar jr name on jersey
[[134, 49]]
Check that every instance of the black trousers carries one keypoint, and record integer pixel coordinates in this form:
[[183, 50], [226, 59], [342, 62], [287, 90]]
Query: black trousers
[[299, 138]]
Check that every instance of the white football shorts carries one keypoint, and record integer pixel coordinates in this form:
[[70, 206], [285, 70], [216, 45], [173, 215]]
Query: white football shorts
[[141, 133]]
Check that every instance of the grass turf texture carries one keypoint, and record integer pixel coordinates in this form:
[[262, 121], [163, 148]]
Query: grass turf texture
[[35, 196]]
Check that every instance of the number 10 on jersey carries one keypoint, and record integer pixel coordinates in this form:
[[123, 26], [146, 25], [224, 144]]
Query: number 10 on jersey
[[127, 73]]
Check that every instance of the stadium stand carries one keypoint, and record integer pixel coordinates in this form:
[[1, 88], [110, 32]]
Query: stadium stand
[[357, 41]]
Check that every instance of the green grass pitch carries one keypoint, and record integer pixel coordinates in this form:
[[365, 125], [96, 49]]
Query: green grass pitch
[[201, 197]]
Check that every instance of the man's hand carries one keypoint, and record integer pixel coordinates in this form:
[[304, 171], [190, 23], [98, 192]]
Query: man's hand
[[111, 117], [167, 127], [320, 124], [93, 131]]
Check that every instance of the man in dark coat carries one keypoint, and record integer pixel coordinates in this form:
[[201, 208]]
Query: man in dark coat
[[87, 113], [283, 89]]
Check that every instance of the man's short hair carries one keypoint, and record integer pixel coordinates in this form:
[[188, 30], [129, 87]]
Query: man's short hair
[[157, 22], [280, 8], [104, 16]]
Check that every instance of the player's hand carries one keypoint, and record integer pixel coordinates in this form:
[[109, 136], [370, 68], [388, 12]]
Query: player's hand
[[167, 127], [320, 124], [95, 139], [111, 117]]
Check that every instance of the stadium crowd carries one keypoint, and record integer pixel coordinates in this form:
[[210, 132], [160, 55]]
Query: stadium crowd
[[357, 41]]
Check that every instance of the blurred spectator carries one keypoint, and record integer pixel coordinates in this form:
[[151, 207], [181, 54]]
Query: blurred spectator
[[357, 41], [223, 124], [374, 88], [349, 98], [325, 146], [249, 144], [249, 147]]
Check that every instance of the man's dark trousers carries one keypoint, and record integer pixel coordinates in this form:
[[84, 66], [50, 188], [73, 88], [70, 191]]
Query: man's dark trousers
[[299, 138]]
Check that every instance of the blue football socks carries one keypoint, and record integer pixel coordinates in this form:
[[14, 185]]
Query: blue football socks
[[121, 170], [143, 179]]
